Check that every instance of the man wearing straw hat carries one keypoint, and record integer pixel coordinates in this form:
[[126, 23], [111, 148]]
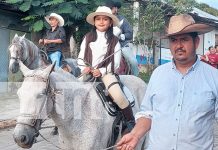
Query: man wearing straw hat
[[180, 103], [54, 38]]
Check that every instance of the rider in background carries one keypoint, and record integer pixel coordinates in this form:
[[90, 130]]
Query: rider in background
[[125, 35], [55, 38], [100, 49]]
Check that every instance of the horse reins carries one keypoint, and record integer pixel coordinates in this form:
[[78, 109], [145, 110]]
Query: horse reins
[[33, 121], [89, 65]]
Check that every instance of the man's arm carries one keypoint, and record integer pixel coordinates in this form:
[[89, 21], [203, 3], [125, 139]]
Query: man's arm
[[127, 30], [130, 140], [58, 41]]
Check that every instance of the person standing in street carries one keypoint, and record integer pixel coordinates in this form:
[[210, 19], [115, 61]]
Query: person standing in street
[[55, 38], [180, 104], [211, 58]]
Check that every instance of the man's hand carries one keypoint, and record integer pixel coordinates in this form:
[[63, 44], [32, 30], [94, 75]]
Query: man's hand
[[96, 73], [122, 37], [41, 41], [127, 142], [46, 41]]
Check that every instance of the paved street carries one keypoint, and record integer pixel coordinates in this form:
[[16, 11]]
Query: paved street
[[9, 109], [7, 142]]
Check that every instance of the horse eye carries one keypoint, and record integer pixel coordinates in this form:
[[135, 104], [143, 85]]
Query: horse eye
[[43, 93]]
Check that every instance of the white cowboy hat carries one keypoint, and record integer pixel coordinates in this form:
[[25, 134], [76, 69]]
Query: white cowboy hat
[[56, 16], [102, 10], [185, 23]]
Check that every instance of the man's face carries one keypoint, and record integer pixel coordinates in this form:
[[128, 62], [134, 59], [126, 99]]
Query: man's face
[[183, 48], [53, 22], [114, 10]]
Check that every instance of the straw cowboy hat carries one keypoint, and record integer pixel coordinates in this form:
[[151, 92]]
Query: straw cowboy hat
[[102, 10], [184, 23], [56, 16]]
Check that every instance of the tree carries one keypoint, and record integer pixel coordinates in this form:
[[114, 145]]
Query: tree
[[73, 11], [153, 15], [207, 8]]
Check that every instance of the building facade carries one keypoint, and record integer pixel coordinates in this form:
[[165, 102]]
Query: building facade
[[10, 24]]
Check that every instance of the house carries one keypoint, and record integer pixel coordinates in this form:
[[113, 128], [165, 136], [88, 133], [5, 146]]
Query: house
[[161, 54]]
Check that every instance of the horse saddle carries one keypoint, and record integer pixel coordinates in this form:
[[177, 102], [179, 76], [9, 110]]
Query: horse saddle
[[107, 101]]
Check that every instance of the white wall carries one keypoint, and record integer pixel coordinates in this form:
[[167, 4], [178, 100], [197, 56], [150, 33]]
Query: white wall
[[209, 40]]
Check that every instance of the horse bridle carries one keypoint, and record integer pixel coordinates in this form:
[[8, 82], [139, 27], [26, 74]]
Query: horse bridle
[[20, 53], [32, 121], [20, 50]]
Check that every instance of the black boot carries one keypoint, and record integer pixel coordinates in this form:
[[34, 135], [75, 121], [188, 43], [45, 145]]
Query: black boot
[[129, 118]]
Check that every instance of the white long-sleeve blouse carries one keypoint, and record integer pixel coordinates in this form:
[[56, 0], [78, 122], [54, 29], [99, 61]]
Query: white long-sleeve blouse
[[99, 49]]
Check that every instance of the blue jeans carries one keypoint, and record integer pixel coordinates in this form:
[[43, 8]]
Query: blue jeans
[[55, 57], [130, 58]]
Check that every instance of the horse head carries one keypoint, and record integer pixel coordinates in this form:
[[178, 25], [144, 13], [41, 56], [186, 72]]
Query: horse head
[[33, 104], [26, 51], [16, 52]]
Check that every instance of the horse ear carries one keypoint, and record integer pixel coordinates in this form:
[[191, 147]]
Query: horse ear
[[23, 68], [23, 36], [15, 35], [48, 70]]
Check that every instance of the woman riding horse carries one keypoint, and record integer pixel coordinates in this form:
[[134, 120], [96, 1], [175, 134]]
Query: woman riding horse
[[101, 48]]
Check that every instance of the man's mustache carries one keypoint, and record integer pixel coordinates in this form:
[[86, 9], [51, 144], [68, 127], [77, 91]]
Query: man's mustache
[[180, 50]]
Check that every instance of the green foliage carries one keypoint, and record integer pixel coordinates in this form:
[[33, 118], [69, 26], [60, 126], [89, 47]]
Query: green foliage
[[151, 21], [25, 6], [13, 1], [145, 76], [37, 26], [53, 2], [73, 11], [36, 3], [182, 6], [207, 8]]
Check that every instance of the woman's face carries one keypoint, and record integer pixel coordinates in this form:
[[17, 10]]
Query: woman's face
[[102, 23]]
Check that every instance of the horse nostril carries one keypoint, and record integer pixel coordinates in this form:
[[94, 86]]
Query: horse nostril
[[23, 138]]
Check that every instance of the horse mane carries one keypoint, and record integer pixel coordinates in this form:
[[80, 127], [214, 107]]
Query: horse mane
[[60, 75]]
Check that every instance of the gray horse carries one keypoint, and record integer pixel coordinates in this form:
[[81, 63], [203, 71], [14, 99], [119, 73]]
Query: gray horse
[[26, 51], [32, 57], [74, 106]]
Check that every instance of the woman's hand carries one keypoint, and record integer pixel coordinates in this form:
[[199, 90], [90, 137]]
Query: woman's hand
[[96, 73], [87, 70]]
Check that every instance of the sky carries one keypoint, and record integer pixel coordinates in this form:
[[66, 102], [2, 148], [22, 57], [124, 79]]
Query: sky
[[212, 3]]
